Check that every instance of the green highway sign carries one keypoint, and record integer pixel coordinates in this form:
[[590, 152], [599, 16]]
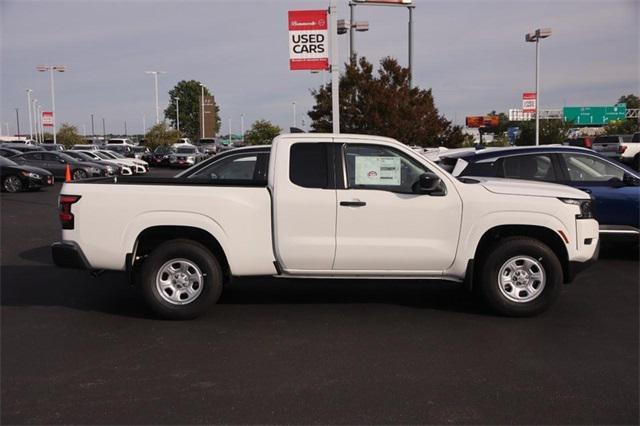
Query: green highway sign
[[594, 115]]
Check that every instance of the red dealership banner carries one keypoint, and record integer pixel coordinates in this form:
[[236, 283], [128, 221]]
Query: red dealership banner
[[47, 118], [529, 102], [308, 40]]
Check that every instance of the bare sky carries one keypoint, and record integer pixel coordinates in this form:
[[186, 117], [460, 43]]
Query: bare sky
[[472, 53]]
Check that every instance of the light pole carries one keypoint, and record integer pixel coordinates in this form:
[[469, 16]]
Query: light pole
[[335, 66], [242, 126], [84, 130], [293, 114], [93, 130], [229, 130], [155, 80], [178, 114], [36, 128], [535, 37], [144, 123], [51, 69], [395, 3], [104, 132], [29, 91], [18, 121], [202, 86]]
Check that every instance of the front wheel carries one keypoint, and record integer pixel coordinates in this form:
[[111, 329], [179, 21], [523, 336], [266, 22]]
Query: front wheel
[[181, 279], [520, 277], [12, 184], [79, 174]]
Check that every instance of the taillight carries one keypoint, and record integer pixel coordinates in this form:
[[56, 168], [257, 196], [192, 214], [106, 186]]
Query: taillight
[[64, 208], [621, 149], [588, 143]]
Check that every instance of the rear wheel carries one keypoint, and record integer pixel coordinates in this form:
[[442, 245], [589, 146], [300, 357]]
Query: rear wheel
[[520, 277], [79, 174], [181, 279], [12, 183]]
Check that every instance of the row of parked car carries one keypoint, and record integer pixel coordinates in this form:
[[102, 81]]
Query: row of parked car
[[27, 167], [623, 148]]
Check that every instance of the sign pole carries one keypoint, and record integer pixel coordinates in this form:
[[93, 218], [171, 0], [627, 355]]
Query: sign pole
[[335, 66], [537, 93]]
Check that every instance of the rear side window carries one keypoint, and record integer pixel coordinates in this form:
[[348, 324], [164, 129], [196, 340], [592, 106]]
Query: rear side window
[[308, 165], [530, 167], [480, 169]]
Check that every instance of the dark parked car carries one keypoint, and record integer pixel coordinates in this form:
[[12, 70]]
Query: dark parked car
[[142, 153], [17, 178], [21, 147], [248, 164], [614, 187], [56, 163], [52, 147], [161, 155], [8, 152]]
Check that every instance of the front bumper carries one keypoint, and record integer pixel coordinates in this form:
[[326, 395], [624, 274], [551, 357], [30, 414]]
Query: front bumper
[[69, 255], [576, 267]]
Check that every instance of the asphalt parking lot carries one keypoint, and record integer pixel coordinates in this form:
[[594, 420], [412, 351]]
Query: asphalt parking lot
[[78, 349]]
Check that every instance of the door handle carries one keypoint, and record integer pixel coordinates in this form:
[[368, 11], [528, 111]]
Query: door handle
[[353, 203]]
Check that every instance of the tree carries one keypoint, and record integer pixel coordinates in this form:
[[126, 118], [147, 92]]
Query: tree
[[190, 94], [161, 134], [262, 132], [551, 132], [68, 135], [384, 104], [628, 125], [631, 101]]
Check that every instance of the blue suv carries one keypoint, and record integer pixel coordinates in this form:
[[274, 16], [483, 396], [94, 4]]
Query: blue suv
[[614, 187]]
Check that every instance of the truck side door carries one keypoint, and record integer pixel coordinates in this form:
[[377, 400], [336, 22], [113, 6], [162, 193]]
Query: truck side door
[[304, 205], [383, 224]]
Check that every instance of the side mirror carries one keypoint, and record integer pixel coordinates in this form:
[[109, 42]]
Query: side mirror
[[429, 183]]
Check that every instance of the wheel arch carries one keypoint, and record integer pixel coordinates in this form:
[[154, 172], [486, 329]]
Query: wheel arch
[[543, 234], [153, 236]]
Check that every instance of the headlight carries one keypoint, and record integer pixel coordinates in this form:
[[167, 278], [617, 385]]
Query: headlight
[[31, 175], [111, 169], [586, 207], [191, 158]]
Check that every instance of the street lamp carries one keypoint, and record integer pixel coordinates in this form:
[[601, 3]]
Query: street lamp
[[29, 92], [397, 3], [40, 126], [178, 114], [51, 69], [293, 113], [202, 86], [155, 79], [242, 126], [535, 37]]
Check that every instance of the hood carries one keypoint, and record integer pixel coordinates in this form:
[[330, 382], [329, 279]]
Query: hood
[[529, 188], [32, 169]]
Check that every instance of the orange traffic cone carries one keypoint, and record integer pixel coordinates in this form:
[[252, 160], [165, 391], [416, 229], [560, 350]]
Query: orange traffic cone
[[67, 174]]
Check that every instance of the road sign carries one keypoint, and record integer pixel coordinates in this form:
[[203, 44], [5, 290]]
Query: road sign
[[308, 40], [529, 100], [594, 115], [47, 118]]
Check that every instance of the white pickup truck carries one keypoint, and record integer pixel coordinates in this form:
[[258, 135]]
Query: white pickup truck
[[327, 206]]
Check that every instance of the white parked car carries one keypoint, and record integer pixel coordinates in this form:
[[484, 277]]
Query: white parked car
[[127, 169], [331, 206], [138, 166]]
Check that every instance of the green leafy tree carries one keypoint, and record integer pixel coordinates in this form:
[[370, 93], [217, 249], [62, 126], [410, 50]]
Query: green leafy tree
[[628, 125], [551, 132], [384, 104], [190, 94], [262, 132], [161, 134], [68, 135]]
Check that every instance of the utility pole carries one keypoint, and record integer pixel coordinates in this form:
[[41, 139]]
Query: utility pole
[[18, 121], [29, 91], [335, 66]]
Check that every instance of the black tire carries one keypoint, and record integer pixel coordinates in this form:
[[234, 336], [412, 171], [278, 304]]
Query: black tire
[[12, 184], [79, 174], [193, 252], [498, 255]]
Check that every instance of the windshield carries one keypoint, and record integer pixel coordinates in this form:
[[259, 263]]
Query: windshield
[[6, 162], [163, 149], [186, 150], [113, 154], [101, 155]]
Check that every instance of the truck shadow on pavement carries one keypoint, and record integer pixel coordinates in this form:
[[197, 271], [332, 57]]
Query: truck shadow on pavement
[[44, 284]]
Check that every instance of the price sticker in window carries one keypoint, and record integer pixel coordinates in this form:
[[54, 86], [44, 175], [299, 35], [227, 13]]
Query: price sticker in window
[[378, 171]]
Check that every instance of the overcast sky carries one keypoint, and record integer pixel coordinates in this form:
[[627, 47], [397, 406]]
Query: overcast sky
[[471, 53]]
